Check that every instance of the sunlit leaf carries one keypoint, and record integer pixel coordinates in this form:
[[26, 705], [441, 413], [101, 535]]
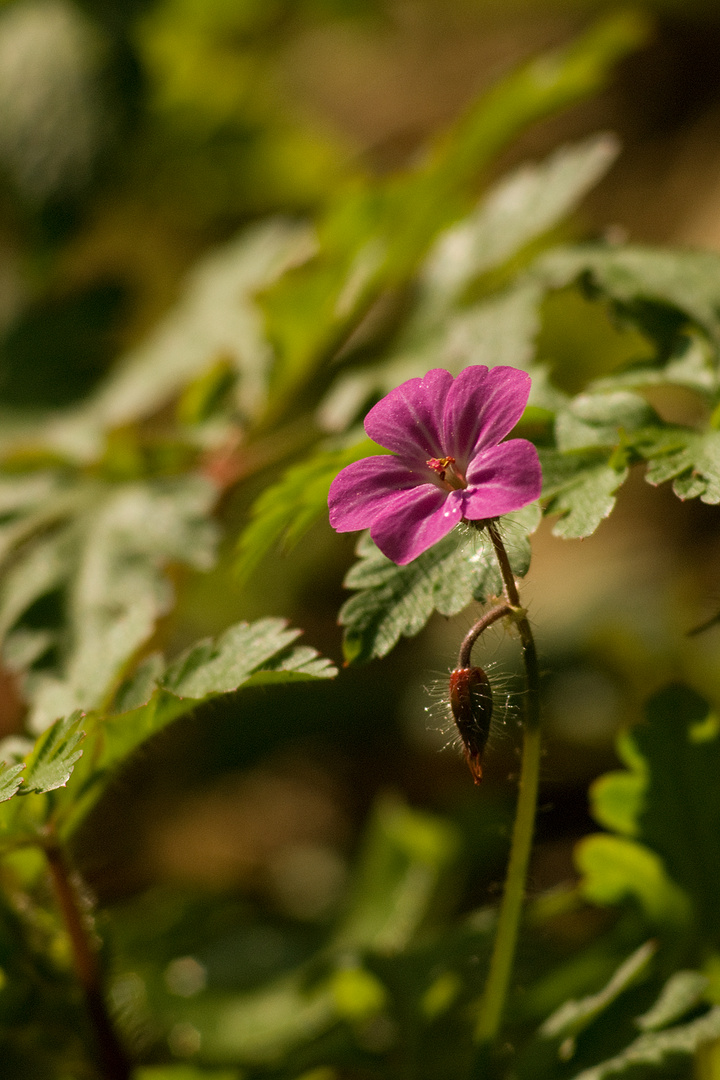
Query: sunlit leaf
[[55, 753], [659, 1048], [616, 869], [10, 780], [110, 562], [254, 654], [574, 1016], [580, 486], [286, 510], [396, 601], [662, 290], [683, 991], [521, 207], [671, 804], [601, 420], [499, 330], [689, 458]]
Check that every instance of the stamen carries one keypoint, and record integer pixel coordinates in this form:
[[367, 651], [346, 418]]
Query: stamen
[[449, 475]]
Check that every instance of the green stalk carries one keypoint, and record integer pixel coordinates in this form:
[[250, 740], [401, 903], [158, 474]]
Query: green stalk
[[494, 997]]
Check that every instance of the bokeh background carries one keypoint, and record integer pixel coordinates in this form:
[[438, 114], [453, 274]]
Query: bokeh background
[[137, 135]]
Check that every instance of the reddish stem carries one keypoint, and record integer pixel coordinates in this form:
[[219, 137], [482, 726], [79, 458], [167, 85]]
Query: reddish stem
[[113, 1060]]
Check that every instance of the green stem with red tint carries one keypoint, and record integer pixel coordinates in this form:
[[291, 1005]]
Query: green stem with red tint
[[492, 1006]]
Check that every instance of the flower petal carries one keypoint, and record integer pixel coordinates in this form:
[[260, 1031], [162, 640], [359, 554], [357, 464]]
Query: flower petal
[[409, 420], [501, 479], [415, 521], [482, 406], [362, 489]]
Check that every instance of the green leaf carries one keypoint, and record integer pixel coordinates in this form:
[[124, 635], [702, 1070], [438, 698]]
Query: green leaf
[[397, 601], [680, 816], [520, 208], [580, 486], [257, 651], [10, 780], [255, 654], [691, 365], [617, 797], [690, 458], [48, 767], [500, 330], [376, 234], [574, 1016], [54, 755], [216, 319], [659, 1048], [683, 991], [615, 869], [601, 420], [405, 864], [661, 289], [110, 563], [670, 803], [286, 510], [406, 855]]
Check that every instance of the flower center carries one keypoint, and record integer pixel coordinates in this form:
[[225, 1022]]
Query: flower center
[[448, 474]]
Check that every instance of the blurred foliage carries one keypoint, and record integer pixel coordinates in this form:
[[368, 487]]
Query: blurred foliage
[[202, 291]]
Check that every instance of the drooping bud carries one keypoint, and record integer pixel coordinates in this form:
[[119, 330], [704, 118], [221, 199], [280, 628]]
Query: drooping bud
[[471, 704]]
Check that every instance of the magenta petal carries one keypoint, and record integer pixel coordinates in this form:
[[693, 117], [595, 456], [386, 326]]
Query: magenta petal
[[482, 406], [409, 420], [415, 522], [501, 479], [363, 488]]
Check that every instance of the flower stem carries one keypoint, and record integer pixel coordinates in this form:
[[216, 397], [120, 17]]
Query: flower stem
[[501, 963], [113, 1061], [475, 631]]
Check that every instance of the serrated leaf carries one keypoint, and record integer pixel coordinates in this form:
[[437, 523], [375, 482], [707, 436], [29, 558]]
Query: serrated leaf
[[684, 282], [253, 654], [657, 1048], [54, 755], [683, 991], [397, 601], [110, 562], [574, 1016], [10, 780], [221, 665], [581, 488], [519, 208], [690, 458], [286, 510]]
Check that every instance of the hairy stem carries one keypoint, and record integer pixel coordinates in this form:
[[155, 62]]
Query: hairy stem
[[113, 1061], [501, 962], [475, 631]]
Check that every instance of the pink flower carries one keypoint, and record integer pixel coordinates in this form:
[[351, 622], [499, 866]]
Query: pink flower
[[448, 462]]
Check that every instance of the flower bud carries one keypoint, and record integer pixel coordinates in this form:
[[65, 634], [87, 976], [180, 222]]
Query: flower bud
[[471, 704]]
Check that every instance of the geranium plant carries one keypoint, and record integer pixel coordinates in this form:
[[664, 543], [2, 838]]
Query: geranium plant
[[402, 302]]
